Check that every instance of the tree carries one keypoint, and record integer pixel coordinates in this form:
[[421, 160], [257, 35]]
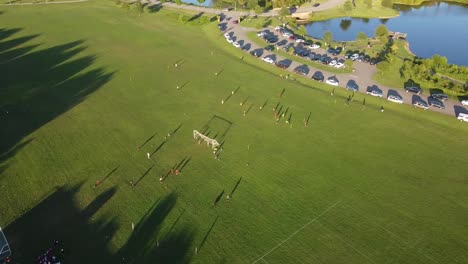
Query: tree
[[125, 6], [328, 37], [242, 3], [139, 7], [368, 3], [284, 11], [381, 32], [251, 4], [258, 9], [178, 2], [348, 6], [201, 1], [439, 61], [387, 3], [361, 38], [268, 4], [301, 30]]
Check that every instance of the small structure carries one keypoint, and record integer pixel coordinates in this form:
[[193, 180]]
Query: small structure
[[397, 35], [213, 143]]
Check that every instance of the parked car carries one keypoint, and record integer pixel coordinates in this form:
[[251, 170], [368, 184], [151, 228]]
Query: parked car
[[420, 104], [374, 91], [318, 76], [299, 40], [235, 21], [255, 53], [352, 85], [440, 96], [332, 81], [348, 54], [464, 102], [303, 70], [339, 65], [283, 64], [316, 4], [314, 46], [281, 43], [287, 46], [435, 102], [332, 63], [413, 89], [395, 99], [230, 40], [268, 59], [292, 37], [236, 44], [338, 51], [462, 117], [331, 51], [373, 61], [227, 35], [227, 9], [366, 58], [354, 57]]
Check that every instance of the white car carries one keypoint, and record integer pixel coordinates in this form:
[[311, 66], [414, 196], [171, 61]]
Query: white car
[[339, 65], [260, 33], [236, 44], [229, 40], [299, 40], [462, 117], [395, 99], [464, 102], [332, 81], [332, 63], [278, 28], [268, 59], [354, 57], [287, 34], [374, 93], [226, 35], [314, 46]]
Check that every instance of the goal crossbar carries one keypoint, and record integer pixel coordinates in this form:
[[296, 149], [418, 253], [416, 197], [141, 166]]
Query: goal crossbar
[[213, 143]]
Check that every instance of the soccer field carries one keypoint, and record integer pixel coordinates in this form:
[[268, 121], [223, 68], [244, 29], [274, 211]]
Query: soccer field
[[88, 90]]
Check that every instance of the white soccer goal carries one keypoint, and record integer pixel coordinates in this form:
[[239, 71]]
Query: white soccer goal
[[213, 143]]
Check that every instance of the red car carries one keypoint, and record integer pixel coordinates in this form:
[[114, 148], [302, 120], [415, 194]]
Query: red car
[[235, 21], [292, 37]]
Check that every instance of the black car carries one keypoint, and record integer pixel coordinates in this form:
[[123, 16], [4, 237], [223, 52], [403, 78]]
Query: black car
[[435, 102], [413, 89], [316, 4], [318, 76], [283, 64], [366, 58], [373, 61], [348, 54], [317, 57], [281, 43], [272, 39], [331, 51], [287, 46], [270, 48], [440, 96], [255, 53], [325, 60], [303, 70], [338, 51], [352, 85]]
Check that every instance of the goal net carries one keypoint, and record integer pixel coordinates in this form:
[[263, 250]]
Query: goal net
[[213, 143]]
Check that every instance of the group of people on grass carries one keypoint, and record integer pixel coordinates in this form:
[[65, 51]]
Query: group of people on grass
[[53, 255]]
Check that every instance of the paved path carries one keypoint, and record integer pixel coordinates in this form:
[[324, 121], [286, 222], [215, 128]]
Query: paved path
[[362, 73], [45, 3]]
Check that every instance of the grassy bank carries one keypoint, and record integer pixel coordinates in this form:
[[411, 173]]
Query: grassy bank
[[360, 11], [87, 90]]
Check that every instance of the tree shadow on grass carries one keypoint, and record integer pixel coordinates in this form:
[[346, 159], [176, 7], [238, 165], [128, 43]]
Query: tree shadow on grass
[[37, 86], [86, 238]]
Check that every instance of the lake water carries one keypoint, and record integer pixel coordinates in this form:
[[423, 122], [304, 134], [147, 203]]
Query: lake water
[[207, 3], [433, 28]]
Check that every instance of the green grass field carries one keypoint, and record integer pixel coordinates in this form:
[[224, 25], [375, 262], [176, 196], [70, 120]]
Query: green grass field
[[87, 90]]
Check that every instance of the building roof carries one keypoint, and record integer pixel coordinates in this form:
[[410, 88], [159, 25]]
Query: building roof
[[4, 246]]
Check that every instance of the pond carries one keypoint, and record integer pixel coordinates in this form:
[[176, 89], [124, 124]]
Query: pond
[[433, 28]]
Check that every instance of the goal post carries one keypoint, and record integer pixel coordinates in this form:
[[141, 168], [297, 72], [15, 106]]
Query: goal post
[[213, 143]]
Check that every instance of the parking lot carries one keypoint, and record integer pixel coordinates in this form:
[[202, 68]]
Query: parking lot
[[360, 80]]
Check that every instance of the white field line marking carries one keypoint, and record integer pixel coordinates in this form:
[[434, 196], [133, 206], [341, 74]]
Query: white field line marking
[[398, 238], [297, 231]]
